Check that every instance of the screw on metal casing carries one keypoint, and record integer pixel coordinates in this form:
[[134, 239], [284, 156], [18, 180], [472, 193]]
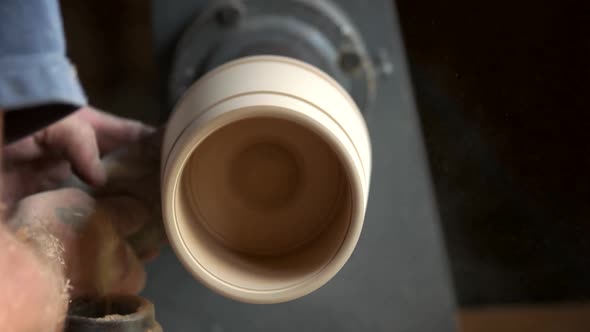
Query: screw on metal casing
[[349, 61], [227, 16]]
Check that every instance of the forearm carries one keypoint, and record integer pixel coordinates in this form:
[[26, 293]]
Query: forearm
[[33, 289]]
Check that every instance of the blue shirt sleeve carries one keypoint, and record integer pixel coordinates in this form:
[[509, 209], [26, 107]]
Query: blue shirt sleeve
[[35, 74]]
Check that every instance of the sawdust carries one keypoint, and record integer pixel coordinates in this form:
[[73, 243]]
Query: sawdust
[[110, 318], [48, 247], [46, 244]]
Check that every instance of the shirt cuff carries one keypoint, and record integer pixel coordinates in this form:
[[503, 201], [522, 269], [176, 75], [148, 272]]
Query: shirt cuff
[[28, 81]]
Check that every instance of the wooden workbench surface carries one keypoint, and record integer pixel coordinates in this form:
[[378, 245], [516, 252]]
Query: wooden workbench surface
[[521, 318]]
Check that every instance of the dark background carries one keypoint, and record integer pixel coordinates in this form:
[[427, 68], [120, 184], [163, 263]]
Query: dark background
[[502, 90]]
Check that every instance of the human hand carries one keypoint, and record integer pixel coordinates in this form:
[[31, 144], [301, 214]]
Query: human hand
[[105, 232], [84, 238], [45, 159], [134, 174]]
